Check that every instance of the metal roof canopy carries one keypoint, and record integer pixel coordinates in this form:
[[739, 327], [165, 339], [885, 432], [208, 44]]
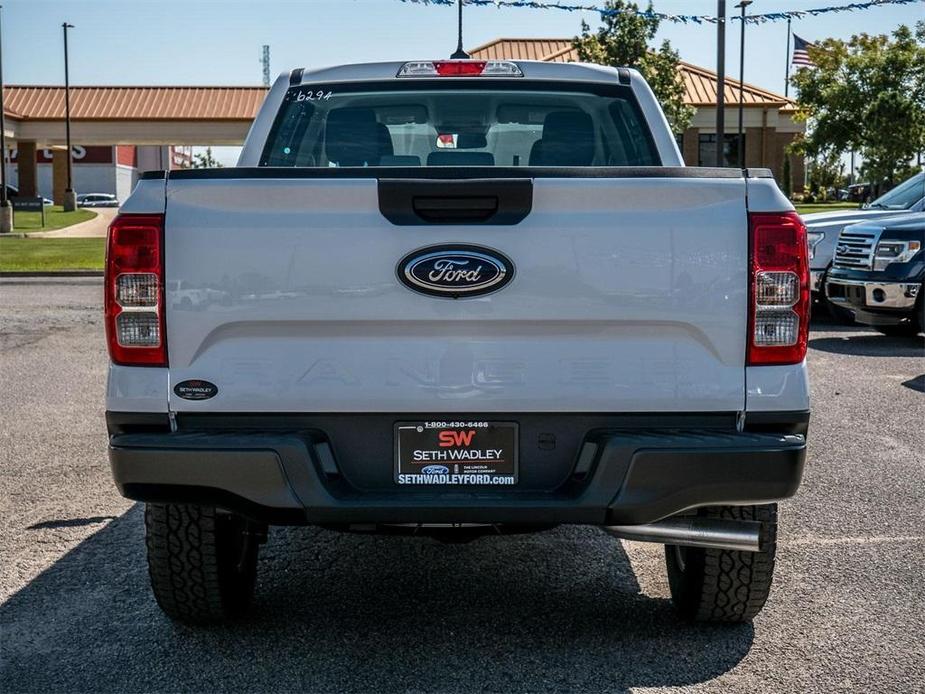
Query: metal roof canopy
[[700, 84], [135, 115]]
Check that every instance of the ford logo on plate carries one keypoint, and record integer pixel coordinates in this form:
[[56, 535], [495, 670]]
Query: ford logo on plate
[[435, 470], [455, 271]]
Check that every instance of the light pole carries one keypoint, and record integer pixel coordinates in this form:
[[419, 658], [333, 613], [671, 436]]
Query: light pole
[[70, 199], [6, 211], [720, 79], [741, 142], [787, 73]]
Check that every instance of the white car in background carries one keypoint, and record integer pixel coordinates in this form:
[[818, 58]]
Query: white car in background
[[97, 200]]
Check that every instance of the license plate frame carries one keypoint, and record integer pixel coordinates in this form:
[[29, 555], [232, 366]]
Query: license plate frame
[[474, 453]]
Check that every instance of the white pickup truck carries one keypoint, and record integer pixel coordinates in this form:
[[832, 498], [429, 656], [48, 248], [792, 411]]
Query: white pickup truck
[[458, 298]]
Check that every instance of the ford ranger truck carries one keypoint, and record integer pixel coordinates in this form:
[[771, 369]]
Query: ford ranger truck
[[455, 298]]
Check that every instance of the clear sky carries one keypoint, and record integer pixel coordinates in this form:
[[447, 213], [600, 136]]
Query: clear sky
[[218, 41], [204, 42]]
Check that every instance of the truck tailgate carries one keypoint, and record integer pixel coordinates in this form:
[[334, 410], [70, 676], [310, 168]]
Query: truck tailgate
[[630, 295]]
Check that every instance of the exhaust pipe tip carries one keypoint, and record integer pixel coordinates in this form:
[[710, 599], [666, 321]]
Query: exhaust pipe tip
[[743, 536]]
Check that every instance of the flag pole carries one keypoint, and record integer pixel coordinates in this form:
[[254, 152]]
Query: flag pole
[[787, 74]]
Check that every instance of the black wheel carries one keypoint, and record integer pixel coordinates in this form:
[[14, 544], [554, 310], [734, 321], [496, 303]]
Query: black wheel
[[718, 585], [202, 564]]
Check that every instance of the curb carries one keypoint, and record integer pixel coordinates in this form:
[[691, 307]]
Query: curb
[[50, 273]]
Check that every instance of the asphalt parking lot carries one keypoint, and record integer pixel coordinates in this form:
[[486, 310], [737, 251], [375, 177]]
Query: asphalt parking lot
[[568, 610]]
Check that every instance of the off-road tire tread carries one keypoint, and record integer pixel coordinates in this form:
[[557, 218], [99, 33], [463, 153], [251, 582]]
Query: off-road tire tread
[[189, 582], [727, 585]]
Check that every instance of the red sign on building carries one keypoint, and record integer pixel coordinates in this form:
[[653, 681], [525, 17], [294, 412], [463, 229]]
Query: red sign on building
[[100, 154]]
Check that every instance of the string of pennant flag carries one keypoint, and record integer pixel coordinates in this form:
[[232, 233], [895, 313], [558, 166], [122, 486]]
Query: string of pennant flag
[[676, 18]]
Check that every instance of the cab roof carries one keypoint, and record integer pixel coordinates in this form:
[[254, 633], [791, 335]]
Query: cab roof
[[532, 70]]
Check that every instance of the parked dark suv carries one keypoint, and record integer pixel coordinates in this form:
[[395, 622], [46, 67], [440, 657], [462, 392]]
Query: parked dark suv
[[878, 272]]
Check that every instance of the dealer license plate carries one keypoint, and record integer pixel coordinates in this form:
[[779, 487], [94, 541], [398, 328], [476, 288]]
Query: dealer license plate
[[457, 453]]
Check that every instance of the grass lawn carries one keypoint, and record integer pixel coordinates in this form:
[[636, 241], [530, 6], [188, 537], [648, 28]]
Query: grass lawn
[[826, 207], [44, 255], [55, 218]]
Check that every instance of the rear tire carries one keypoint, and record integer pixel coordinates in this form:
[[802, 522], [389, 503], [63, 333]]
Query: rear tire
[[717, 585], [202, 564]]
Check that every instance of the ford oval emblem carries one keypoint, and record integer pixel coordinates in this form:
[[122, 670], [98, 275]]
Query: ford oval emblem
[[435, 470], [455, 271]]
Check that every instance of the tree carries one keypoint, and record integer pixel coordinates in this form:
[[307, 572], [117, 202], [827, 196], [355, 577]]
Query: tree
[[866, 95], [825, 173], [205, 160], [623, 40]]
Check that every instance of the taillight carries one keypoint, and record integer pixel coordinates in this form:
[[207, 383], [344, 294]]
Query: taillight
[[778, 318], [134, 292]]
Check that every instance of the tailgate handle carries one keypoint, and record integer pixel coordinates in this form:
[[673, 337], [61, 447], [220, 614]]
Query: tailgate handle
[[446, 209], [416, 202]]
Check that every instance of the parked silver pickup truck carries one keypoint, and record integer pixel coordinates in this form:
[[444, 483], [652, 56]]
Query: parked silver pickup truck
[[459, 298]]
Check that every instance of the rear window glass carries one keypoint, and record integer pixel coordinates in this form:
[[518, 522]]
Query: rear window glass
[[412, 124]]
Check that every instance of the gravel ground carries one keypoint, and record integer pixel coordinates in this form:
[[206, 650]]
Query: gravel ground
[[568, 610]]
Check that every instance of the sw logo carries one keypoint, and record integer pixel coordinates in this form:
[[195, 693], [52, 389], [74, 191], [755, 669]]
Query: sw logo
[[455, 438]]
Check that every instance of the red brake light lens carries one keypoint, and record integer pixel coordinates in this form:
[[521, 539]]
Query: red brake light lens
[[778, 320], [459, 68], [134, 291]]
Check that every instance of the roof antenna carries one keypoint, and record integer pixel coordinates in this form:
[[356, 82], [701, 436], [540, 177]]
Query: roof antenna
[[460, 54]]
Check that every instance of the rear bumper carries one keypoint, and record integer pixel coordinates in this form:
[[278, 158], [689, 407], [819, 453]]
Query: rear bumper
[[613, 477]]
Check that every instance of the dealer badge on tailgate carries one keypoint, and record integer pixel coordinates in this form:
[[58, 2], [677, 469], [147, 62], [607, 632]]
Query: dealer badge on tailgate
[[456, 453]]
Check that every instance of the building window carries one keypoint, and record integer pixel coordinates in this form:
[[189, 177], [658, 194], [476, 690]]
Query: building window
[[707, 150]]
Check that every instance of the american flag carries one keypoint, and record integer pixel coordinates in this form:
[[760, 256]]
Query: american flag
[[800, 54]]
